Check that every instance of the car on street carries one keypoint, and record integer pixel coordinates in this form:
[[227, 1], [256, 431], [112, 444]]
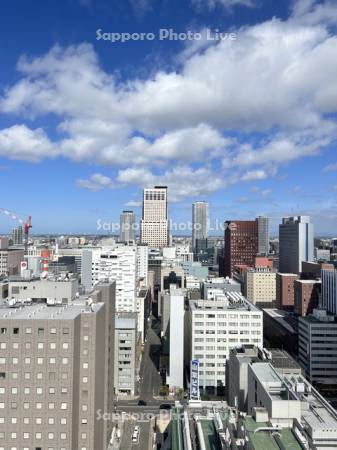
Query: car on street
[[135, 435]]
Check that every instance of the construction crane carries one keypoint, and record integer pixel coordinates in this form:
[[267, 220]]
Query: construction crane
[[27, 224]]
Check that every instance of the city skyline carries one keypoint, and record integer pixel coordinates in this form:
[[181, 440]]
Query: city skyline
[[73, 163]]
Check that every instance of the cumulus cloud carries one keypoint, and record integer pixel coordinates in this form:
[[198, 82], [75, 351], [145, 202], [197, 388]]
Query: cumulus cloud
[[95, 182], [268, 93], [251, 175], [183, 181], [21, 142]]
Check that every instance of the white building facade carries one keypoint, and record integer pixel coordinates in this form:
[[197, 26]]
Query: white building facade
[[216, 327]]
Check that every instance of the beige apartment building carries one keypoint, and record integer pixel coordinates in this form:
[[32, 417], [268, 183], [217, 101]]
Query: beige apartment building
[[260, 287], [56, 372]]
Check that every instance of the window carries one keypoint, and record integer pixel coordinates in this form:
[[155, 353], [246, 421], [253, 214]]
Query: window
[[39, 391], [50, 435], [64, 405], [28, 331], [53, 331], [63, 421], [40, 331], [3, 346], [51, 390], [64, 361], [65, 330], [38, 405], [84, 421], [51, 405], [15, 330], [52, 360], [27, 360], [2, 390], [52, 346], [2, 360], [3, 330], [51, 420], [85, 379], [14, 390], [63, 436], [27, 375], [28, 345], [38, 421], [26, 390], [65, 345], [15, 360], [40, 345], [15, 345]]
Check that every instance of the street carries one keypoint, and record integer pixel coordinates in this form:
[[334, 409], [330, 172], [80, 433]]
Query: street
[[149, 387]]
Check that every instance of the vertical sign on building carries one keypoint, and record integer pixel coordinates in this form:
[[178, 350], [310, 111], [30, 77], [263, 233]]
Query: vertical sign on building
[[194, 388]]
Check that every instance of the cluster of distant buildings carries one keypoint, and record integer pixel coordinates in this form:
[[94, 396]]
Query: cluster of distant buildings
[[74, 314]]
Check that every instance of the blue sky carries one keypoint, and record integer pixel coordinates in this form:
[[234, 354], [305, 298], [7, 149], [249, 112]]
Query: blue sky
[[247, 123]]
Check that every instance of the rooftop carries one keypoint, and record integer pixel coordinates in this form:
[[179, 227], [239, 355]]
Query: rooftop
[[40, 311], [265, 440]]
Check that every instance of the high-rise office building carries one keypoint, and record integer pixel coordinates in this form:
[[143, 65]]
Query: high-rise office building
[[263, 235], [127, 230], [200, 222], [296, 243], [329, 289], [17, 235], [117, 263], [56, 372], [241, 244], [154, 228]]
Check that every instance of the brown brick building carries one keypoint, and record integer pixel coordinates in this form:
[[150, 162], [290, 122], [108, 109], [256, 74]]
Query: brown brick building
[[241, 244], [285, 298], [306, 295]]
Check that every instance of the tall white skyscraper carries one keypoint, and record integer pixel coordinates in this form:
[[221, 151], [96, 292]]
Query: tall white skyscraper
[[127, 230], [200, 222], [296, 243], [263, 235], [154, 229], [117, 263]]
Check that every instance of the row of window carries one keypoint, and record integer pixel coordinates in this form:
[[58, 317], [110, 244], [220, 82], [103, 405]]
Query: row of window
[[28, 345], [28, 390], [38, 405], [40, 420], [28, 330], [28, 360]]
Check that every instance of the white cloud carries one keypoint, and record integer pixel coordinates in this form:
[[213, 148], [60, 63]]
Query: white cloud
[[251, 175], [20, 142], [133, 204], [225, 3], [330, 167], [96, 182], [182, 181], [265, 84]]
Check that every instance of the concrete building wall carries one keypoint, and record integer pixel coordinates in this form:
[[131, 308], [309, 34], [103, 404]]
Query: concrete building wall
[[176, 338]]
